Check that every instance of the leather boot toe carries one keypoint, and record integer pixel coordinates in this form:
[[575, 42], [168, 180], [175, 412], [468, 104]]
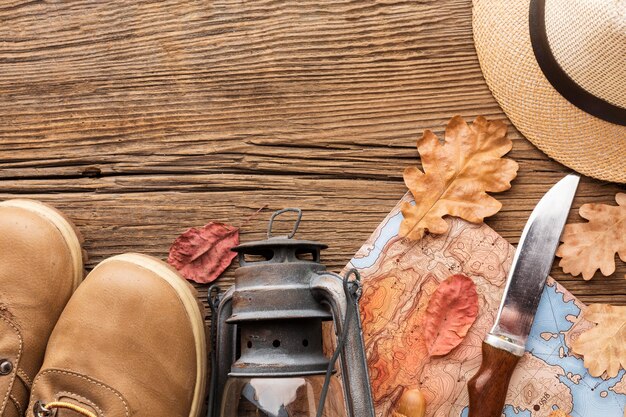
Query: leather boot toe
[[41, 264], [131, 342]]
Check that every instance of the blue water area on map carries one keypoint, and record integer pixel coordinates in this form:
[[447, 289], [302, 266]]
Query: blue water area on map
[[509, 411], [388, 232], [592, 396]]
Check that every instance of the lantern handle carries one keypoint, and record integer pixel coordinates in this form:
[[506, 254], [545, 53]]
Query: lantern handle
[[332, 289], [214, 299], [224, 346], [278, 213]]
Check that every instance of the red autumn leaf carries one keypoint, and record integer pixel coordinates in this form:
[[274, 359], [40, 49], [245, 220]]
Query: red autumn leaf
[[201, 255], [451, 311]]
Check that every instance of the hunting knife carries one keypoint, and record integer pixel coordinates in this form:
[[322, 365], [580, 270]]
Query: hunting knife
[[505, 343]]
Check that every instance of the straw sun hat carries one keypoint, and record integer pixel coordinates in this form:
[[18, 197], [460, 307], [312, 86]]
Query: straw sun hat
[[558, 69]]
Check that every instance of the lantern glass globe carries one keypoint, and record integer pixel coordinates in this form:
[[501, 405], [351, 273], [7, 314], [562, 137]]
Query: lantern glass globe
[[281, 397]]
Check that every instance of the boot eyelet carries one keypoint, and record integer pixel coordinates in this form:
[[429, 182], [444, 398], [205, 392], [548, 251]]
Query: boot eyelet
[[40, 410], [6, 367]]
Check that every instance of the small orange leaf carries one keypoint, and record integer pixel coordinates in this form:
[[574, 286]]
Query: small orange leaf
[[458, 173], [604, 346], [201, 255], [451, 311], [590, 246]]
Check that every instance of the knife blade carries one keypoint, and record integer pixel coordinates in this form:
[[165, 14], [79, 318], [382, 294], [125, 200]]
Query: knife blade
[[505, 343]]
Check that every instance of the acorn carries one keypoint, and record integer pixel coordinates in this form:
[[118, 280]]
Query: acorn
[[411, 404]]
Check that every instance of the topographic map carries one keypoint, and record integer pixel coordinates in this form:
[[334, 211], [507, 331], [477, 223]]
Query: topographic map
[[399, 277]]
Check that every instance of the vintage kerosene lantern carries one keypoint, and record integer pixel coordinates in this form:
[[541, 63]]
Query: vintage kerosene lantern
[[268, 355]]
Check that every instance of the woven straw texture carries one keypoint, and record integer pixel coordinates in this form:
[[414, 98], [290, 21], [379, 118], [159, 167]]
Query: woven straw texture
[[578, 140], [594, 53]]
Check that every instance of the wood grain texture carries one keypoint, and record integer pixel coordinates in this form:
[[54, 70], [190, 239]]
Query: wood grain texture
[[488, 387], [142, 119]]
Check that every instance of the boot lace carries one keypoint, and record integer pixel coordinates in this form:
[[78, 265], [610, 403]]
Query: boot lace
[[47, 410]]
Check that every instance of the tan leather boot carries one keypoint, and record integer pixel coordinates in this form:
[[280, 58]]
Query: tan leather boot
[[41, 264], [131, 342]]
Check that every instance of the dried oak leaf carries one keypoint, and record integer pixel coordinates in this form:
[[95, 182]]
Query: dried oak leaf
[[201, 255], [458, 173], [604, 346], [590, 246], [451, 311]]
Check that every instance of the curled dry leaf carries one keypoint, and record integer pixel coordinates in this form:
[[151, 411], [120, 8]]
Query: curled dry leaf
[[590, 246], [411, 404], [201, 255], [604, 346], [451, 311], [458, 173]]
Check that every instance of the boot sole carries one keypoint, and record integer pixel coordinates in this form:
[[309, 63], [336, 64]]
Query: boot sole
[[68, 230], [193, 312]]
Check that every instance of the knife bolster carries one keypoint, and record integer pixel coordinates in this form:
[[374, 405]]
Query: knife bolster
[[502, 343]]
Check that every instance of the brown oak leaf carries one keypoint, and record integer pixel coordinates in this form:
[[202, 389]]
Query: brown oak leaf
[[451, 311], [603, 346], [590, 246], [458, 173], [201, 255]]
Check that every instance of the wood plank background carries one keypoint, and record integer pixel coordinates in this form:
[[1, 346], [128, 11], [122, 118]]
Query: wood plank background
[[141, 119]]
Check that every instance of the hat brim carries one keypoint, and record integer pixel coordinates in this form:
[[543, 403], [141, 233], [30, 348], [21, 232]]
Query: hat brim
[[567, 134]]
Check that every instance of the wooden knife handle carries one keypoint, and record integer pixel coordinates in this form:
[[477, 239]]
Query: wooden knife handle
[[488, 388]]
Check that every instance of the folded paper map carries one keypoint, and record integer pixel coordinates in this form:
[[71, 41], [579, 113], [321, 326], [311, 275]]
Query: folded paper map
[[399, 277]]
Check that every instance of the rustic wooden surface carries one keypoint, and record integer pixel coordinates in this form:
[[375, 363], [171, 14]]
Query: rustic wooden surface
[[140, 119]]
